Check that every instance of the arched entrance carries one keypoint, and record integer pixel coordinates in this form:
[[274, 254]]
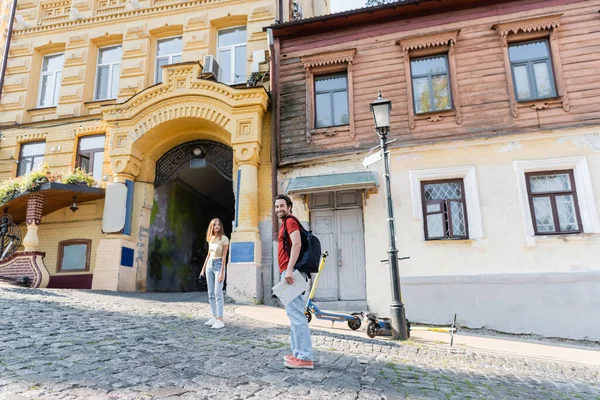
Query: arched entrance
[[148, 126], [193, 185]]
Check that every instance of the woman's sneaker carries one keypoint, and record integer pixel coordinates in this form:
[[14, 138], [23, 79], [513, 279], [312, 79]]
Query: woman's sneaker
[[210, 322], [289, 357], [218, 325], [297, 363]]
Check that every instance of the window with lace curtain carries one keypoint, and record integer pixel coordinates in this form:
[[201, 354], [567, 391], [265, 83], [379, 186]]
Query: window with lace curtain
[[444, 209], [553, 202]]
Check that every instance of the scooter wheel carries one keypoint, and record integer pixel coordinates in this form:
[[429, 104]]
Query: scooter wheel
[[308, 316], [372, 329], [354, 324]]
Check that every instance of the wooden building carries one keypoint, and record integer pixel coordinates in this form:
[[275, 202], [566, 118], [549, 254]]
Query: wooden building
[[495, 160]]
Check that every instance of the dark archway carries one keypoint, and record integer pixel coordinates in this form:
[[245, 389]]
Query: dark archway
[[193, 185]]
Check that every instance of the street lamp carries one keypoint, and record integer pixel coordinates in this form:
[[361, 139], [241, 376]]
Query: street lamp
[[381, 115]]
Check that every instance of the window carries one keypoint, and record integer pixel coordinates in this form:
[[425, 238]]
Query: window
[[108, 73], [553, 201], [532, 63], [74, 255], [444, 210], [232, 55], [50, 79], [531, 68], [168, 51], [90, 155], [432, 82], [331, 100], [329, 108], [31, 157], [431, 86]]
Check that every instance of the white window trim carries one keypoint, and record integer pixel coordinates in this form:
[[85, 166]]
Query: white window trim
[[232, 48], [110, 75], [168, 56], [468, 175], [583, 186], [57, 82]]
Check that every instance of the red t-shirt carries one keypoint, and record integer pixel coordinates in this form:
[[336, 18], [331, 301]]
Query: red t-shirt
[[282, 255]]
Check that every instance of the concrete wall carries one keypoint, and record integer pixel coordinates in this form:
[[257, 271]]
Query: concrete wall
[[501, 278]]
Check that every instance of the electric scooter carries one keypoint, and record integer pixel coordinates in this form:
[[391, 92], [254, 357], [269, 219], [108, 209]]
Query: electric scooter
[[354, 320]]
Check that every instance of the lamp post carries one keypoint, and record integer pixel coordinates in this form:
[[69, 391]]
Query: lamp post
[[381, 114]]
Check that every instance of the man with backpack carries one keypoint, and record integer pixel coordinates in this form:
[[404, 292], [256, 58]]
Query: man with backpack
[[288, 252]]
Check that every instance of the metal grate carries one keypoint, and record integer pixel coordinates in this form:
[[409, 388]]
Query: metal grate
[[218, 155]]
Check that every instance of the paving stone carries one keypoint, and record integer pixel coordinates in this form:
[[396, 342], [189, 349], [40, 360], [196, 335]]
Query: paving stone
[[69, 344]]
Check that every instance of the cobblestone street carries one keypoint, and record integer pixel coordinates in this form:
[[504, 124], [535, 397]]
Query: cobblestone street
[[62, 344]]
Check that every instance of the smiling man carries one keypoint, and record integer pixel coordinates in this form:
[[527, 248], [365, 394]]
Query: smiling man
[[288, 250]]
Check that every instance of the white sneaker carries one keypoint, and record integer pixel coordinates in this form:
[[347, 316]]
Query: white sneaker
[[218, 325], [210, 322]]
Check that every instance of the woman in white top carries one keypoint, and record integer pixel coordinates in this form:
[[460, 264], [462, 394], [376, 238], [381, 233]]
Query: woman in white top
[[214, 270]]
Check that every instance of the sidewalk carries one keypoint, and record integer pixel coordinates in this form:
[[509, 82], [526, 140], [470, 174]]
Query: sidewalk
[[529, 348]]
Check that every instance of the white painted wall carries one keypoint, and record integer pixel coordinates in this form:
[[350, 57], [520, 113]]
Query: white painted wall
[[501, 251]]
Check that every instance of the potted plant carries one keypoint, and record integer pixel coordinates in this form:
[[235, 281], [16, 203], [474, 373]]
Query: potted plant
[[78, 177]]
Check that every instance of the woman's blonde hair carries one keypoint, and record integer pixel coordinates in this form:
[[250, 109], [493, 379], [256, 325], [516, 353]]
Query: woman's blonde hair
[[211, 229]]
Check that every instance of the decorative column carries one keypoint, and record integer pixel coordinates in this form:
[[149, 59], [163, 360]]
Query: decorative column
[[243, 276], [246, 159], [35, 207]]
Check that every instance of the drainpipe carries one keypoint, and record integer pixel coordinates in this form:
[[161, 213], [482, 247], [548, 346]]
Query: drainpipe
[[7, 45], [274, 66], [281, 11]]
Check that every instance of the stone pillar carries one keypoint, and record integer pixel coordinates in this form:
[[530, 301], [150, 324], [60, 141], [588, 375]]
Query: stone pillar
[[35, 207], [115, 267], [243, 278]]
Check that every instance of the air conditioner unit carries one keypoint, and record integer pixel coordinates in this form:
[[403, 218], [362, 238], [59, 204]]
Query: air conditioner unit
[[210, 66]]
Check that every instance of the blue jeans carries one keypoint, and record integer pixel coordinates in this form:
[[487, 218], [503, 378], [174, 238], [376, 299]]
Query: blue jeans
[[215, 288], [300, 333]]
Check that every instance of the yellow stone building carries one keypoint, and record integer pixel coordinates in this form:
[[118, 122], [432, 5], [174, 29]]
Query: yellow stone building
[[166, 104]]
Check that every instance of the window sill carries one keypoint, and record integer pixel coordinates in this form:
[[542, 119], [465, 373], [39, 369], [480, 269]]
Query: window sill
[[70, 271], [435, 116], [453, 241], [541, 104], [573, 237], [42, 110], [105, 101], [329, 131]]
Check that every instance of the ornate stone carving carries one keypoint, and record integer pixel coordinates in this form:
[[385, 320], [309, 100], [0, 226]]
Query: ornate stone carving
[[127, 166], [248, 153]]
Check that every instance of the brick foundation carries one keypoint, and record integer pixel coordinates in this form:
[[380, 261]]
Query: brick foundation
[[26, 263]]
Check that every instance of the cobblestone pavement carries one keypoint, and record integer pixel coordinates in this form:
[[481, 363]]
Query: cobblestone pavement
[[62, 344]]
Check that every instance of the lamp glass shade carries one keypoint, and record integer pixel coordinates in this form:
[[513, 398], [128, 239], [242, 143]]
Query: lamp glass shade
[[381, 109]]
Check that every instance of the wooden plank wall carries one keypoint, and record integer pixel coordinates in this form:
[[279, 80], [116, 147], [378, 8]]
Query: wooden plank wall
[[379, 64]]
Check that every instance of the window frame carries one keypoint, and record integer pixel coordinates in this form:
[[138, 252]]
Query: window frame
[[111, 96], [157, 70], [447, 213], [57, 82], [91, 151], [531, 76], [419, 47], [323, 64], [29, 157], [552, 196], [430, 82], [531, 30], [330, 92], [61, 253], [232, 48]]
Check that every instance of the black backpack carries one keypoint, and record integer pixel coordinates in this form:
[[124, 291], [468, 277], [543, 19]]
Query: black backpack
[[310, 253]]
